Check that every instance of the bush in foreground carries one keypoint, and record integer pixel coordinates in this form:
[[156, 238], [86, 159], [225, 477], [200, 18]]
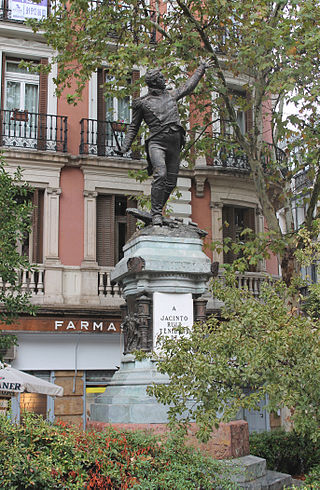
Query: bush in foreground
[[287, 452], [43, 456]]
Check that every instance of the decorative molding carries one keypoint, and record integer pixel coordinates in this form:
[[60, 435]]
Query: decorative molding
[[200, 181], [90, 194], [54, 190]]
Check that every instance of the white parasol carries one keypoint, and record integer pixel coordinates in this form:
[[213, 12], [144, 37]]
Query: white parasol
[[14, 381]]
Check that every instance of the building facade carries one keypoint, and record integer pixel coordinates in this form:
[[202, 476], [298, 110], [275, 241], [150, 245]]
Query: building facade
[[81, 191]]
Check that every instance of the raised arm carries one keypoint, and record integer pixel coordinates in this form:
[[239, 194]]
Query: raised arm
[[133, 126], [188, 87]]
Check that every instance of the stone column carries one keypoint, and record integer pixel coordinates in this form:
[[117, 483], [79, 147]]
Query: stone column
[[53, 269], [199, 305], [89, 266], [90, 226], [262, 266], [217, 233], [51, 225], [144, 307]]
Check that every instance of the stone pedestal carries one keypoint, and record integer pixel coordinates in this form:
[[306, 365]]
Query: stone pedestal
[[156, 260]]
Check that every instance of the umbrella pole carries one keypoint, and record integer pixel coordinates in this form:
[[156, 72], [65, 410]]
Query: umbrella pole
[[15, 409]]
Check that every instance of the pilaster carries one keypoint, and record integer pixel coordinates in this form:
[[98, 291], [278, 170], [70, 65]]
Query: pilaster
[[90, 227], [217, 233], [51, 225]]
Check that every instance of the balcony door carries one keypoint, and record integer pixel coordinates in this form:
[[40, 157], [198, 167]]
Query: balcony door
[[21, 104]]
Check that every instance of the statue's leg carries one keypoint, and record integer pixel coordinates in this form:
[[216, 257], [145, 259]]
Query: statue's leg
[[172, 164], [157, 155]]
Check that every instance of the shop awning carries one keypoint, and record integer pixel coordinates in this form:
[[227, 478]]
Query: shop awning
[[14, 381]]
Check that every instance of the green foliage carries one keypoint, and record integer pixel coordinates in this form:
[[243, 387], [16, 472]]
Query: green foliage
[[287, 452], [262, 344], [311, 304], [43, 456], [15, 224], [271, 47], [312, 480]]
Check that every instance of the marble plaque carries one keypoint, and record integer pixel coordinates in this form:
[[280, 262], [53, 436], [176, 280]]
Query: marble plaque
[[171, 310]]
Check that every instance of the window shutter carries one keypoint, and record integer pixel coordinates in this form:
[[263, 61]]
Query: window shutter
[[2, 95], [101, 112], [43, 89], [249, 219], [228, 230], [135, 78], [37, 226], [105, 230], [249, 119], [131, 220], [136, 93], [43, 101], [101, 109], [3, 74]]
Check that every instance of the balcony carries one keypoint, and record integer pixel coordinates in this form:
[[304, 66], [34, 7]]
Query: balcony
[[106, 289], [252, 281], [31, 282], [231, 157], [228, 157], [101, 138], [33, 130]]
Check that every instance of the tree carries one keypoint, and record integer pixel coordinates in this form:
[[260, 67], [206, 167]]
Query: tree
[[271, 47], [259, 347], [15, 224]]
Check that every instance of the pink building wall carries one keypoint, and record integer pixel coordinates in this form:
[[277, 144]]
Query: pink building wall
[[71, 241], [74, 113]]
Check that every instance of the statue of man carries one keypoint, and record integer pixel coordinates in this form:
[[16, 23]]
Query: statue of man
[[160, 112]]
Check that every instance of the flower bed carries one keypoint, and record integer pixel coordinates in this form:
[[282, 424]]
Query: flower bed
[[43, 456]]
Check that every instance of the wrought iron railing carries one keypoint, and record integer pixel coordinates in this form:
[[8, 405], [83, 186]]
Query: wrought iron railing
[[33, 130], [101, 138], [228, 156], [274, 154], [302, 181]]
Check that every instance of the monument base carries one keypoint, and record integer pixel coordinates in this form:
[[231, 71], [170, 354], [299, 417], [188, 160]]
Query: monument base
[[230, 441], [126, 399]]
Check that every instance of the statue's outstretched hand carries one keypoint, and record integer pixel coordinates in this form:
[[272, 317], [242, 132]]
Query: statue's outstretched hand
[[207, 62]]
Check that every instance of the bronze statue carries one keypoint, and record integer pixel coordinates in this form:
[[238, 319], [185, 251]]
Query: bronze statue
[[160, 112]]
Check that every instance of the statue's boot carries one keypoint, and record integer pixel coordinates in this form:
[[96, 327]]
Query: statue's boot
[[156, 206], [166, 195]]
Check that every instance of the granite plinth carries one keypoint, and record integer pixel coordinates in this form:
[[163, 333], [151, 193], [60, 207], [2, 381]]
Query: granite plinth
[[172, 262], [228, 441], [156, 259], [126, 399]]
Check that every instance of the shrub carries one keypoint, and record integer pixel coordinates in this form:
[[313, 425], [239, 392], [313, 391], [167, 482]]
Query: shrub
[[313, 478], [43, 456], [287, 452]]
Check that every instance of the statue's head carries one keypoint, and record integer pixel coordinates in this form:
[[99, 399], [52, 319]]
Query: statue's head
[[155, 79]]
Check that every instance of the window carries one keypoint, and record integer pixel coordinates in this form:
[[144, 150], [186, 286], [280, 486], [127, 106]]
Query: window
[[235, 220], [24, 105], [113, 114], [32, 245], [243, 117], [114, 227]]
